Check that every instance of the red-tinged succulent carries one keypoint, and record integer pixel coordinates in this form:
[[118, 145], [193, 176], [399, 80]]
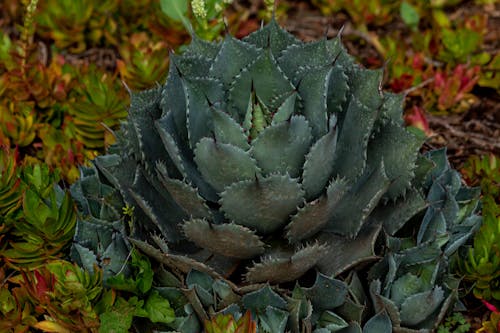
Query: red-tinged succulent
[[58, 297], [454, 88], [416, 118], [75, 25], [226, 323], [143, 61]]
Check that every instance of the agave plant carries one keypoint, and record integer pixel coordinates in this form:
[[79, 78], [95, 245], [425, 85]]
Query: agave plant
[[262, 161]]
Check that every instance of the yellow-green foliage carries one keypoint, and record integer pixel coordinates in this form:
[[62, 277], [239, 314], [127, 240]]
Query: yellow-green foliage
[[38, 218], [482, 264], [58, 297]]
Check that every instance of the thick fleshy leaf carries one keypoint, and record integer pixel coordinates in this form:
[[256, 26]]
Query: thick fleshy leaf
[[326, 293], [230, 240], [305, 56], [312, 90], [332, 321], [394, 215], [184, 195], [281, 148], [286, 109], [227, 130], [233, 56], [418, 307], [273, 36], [343, 254], [222, 164], [355, 207], [318, 166], [200, 92], [263, 204], [182, 157], [400, 163], [311, 218], [357, 123], [260, 299], [284, 269], [361, 87], [380, 323], [338, 89], [273, 320], [266, 79]]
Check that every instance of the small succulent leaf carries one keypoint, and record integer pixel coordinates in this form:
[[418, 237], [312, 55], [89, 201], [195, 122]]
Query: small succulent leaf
[[318, 166], [441, 164], [394, 215], [421, 254], [391, 110], [199, 93], [459, 238], [184, 195], [84, 257], [191, 66], [230, 240], [326, 293], [299, 308], [114, 258], [226, 130], [222, 164], [311, 218], [200, 279], [423, 167], [380, 323], [286, 109], [173, 102], [382, 303], [331, 321], [352, 328], [232, 57], [351, 311], [302, 57], [400, 164], [351, 156], [273, 320], [405, 286], [361, 86], [279, 270], [182, 157], [257, 301], [281, 148], [263, 204], [266, 80], [433, 225], [226, 294], [337, 51], [202, 48], [312, 90], [158, 205], [418, 307], [355, 207], [343, 254], [144, 110], [272, 35], [338, 89]]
